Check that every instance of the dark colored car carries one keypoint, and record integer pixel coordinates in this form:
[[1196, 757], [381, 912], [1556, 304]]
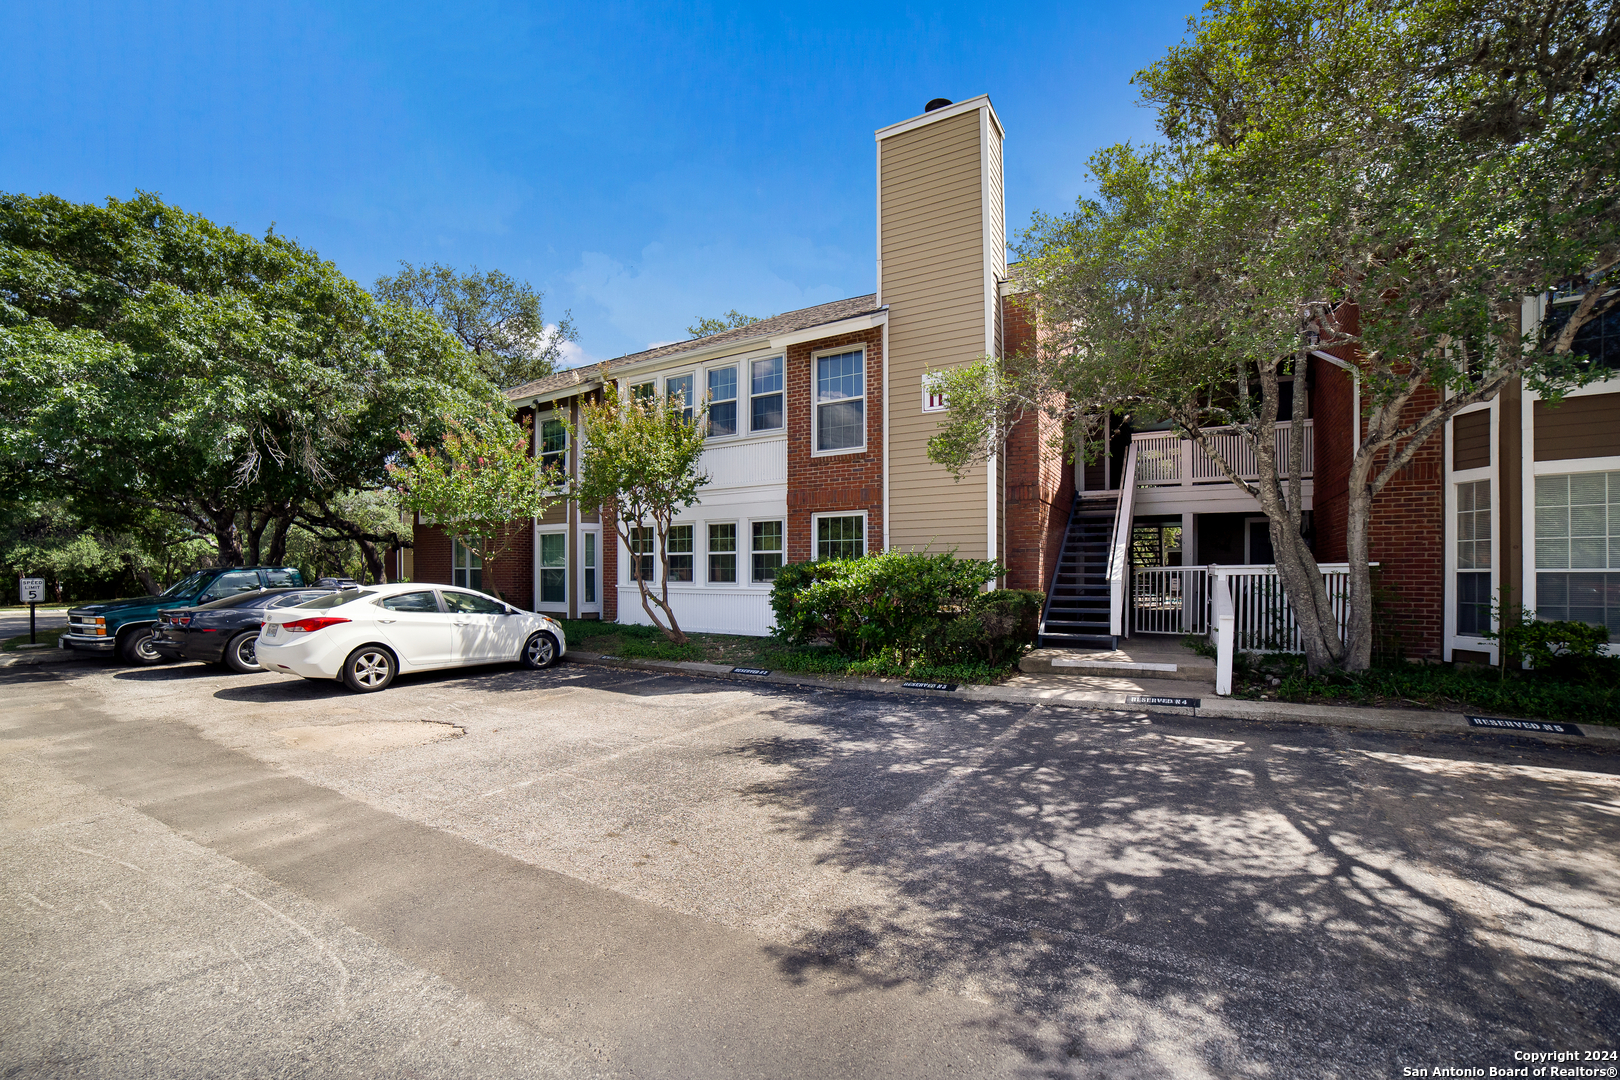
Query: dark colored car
[[223, 632], [125, 626]]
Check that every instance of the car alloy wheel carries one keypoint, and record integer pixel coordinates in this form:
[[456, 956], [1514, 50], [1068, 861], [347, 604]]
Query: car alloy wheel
[[241, 654], [368, 669], [540, 650]]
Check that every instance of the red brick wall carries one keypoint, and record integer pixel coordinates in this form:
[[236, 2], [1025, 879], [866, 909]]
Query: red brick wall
[[1332, 407], [1408, 543], [1040, 483], [610, 567], [430, 559], [511, 575], [838, 482]]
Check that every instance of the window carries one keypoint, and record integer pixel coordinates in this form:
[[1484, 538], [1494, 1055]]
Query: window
[[840, 537], [554, 568], [642, 391], [679, 551], [641, 553], [723, 554], [933, 400], [723, 401], [232, 584], [411, 601], [767, 550], [293, 599], [1578, 533], [590, 568], [681, 386], [840, 401], [466, 567], [554, 446], [1474, 557], [471, 604], [765, 394], [332, 600], [280, 578]]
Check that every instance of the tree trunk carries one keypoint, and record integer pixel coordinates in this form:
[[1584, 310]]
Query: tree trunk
[[277, 553], [144, 576], [228, 539], [1358, 543], [374, 562]]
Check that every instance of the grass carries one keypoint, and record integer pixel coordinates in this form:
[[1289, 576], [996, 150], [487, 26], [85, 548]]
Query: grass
[[646, 643], [1450, 687], [46, 635]]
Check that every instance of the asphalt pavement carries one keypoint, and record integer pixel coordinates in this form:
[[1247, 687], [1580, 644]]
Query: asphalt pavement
[[591, 872]]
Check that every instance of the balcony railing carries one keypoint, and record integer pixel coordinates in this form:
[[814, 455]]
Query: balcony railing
[[1166, 460]]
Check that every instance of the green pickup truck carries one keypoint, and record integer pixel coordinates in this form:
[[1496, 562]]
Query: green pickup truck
[[125, 626]]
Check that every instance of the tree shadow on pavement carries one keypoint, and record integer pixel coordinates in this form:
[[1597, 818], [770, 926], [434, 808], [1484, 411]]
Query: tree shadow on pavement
[[1185, 898]]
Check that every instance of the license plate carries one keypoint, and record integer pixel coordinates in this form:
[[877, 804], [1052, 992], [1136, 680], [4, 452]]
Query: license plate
[[271, 631]]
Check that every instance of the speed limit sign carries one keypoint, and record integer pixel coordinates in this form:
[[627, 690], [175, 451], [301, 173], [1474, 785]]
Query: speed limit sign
[[31, 590]]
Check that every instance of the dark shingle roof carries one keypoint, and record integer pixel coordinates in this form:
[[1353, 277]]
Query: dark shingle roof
[[787, 322]]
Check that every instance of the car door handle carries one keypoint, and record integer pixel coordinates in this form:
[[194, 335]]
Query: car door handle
[[387, 620]]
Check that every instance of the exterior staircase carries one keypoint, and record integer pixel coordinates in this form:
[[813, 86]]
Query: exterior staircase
[[1077, 604]]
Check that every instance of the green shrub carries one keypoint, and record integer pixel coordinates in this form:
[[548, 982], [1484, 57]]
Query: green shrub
[[992, 627]]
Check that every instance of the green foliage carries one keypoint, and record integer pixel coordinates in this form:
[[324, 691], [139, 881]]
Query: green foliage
[[827, 661], [151, 358], [641, 466], [731, 320], [87, 556], [497, 318], [1563, 650], [1537, 695], [902, 606]]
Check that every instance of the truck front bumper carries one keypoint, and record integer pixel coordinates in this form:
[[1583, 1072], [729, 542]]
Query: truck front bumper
[[87, 642]]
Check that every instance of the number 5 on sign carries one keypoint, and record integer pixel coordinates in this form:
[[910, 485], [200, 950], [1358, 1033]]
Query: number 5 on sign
[[31, 590]]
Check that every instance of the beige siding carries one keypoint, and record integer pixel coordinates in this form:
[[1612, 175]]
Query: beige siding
[[933, 244]]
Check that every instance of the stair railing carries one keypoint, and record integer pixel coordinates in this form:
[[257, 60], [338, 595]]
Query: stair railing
[[1057, 567], [1119, 555]]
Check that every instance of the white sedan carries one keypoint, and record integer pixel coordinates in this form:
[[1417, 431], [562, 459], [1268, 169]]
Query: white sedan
[[367, 636]]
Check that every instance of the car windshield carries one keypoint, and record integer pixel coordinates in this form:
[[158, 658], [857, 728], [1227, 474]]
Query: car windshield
[[321, 603], [185, 586]]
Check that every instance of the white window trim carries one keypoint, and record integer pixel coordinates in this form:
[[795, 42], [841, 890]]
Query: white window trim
[[561, 417], [738, 400], [627, 557], [682, 373], [746, 365], [696, 553], [815, 529], [579, 578], [735, 551], [927, 398], [1451, 640], [747, 571], [815, 405], [551, 605]]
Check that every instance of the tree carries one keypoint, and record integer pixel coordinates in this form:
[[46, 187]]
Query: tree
[[641, 465], [497, 318], [477, 483], [151, 359], [1388, 179], [731, 320]]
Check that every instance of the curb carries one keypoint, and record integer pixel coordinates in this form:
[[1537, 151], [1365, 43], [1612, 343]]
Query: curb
[[1420, 721]]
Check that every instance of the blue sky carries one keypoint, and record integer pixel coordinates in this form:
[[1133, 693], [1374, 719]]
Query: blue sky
[[641, 164]]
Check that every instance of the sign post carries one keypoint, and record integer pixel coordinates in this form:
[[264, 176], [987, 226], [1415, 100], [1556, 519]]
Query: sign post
[[31, 590]]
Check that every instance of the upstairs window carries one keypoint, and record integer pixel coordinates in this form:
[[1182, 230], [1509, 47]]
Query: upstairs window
[[840, 385], [722, 401], [681, 386], [554, 446], [765, 394], [643, 391]]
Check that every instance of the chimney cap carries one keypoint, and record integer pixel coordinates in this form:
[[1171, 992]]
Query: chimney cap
[[937, 103]]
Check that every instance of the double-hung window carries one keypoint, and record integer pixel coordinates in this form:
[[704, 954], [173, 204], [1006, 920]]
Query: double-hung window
[[765, 394], [643, 391], [840, 388], [682, 386], [1578, 548], [840, 537], [680, 553], [554, 568], [1474, 557], [722, 401], [767, 550], [641, 553], [723, 554], [466, 568], [554, 447]]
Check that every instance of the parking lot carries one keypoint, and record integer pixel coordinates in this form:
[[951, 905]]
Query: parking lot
[[594, 872]]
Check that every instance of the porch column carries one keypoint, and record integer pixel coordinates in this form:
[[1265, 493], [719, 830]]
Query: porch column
[[1189, 550]]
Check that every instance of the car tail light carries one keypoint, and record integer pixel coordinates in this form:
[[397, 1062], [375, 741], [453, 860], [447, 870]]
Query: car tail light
[[311, 624], [177, 620]]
